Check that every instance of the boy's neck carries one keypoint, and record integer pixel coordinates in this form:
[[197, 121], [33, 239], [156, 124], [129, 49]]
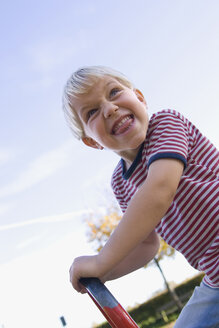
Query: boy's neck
[[128, 156], [127, 164]]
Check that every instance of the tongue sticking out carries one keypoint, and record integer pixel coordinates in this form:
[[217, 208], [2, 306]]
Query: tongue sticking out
[[123, 125]]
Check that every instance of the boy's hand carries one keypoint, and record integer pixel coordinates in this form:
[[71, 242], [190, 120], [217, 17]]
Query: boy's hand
[[82, 267]]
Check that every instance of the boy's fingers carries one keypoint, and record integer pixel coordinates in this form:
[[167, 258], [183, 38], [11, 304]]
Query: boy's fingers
[[74, 281], [83, 290], [77, 285]]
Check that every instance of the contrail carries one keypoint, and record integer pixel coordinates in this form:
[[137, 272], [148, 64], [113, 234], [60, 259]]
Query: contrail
[[46, 219]]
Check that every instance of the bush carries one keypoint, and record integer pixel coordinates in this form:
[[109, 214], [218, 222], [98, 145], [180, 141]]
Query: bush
[[146, 314]]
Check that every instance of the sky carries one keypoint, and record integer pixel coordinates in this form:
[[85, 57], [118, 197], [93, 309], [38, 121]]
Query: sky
[[49, 182]]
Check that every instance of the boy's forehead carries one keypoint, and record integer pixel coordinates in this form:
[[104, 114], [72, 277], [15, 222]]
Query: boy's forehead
[[92, 93], [103, 81], [98, 87]]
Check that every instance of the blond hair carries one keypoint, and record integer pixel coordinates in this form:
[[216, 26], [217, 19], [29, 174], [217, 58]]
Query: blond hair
[[80, 83]]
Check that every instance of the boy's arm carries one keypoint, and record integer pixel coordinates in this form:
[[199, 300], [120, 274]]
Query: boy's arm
[[136, 259], [145, 210]]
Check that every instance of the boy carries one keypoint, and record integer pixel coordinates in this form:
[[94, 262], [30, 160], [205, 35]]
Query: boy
[[166, 182]]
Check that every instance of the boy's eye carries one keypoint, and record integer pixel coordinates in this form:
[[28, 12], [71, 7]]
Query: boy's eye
[[114, 91], [91, 112]]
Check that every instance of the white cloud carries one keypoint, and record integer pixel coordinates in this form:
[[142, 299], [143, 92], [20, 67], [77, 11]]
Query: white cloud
[[42, 278], [41, 168], [30, 241], [46, 219]]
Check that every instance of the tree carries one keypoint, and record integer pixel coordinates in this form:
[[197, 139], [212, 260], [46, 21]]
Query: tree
[[167, 250], [100, 229]]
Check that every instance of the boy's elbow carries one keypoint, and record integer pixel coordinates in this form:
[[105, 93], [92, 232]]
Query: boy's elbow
[[153, 241], [156, 243]]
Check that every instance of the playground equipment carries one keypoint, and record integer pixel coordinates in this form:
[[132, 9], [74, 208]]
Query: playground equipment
[[114, 313]]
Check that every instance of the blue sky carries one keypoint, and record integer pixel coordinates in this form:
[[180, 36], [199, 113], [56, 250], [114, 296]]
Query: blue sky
[[49, 181]]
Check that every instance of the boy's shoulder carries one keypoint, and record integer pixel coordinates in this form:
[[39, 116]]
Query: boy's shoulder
[[162, 120], [158, 122], [167, 113]]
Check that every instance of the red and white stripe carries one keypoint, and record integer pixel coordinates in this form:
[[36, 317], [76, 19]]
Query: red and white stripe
[[191, 224]]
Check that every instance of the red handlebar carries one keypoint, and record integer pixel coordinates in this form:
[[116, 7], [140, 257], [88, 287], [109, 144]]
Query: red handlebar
[[114, 313]]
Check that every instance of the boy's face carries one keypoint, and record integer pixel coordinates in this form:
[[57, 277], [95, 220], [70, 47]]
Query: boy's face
[[113, 116]]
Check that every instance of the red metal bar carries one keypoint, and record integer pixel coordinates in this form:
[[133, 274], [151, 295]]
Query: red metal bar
[[101, 310], [114, 313]]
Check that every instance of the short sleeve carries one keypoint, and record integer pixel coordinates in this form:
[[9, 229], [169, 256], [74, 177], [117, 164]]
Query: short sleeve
[[168, 137]]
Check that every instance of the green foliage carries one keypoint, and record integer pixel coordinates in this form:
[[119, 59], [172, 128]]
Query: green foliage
[[189, 285], [147, 314]]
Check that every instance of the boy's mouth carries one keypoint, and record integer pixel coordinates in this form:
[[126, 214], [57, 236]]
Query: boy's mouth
[[122, 124]]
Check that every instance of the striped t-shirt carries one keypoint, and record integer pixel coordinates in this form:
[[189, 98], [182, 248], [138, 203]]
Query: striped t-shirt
[[191, 224]]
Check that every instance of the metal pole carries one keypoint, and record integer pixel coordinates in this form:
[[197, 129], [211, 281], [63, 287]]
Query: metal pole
[[114, 313], [63, 321]]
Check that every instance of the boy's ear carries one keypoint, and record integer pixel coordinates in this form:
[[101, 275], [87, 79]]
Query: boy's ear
[[140, 96], [91, 143]]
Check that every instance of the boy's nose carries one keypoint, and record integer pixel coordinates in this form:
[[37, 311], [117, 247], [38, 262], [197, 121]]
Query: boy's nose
[[109, 109]]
